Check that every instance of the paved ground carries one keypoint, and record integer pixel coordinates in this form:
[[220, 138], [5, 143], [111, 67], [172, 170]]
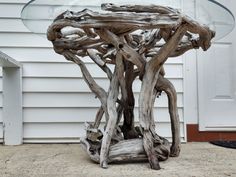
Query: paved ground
[[58, 160]]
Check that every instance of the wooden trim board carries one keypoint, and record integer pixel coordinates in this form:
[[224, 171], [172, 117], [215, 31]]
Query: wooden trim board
[[194, 135]]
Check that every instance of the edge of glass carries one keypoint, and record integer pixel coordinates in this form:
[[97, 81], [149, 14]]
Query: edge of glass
[[211, 1], [232, 15], [219, 4], [26, 5]]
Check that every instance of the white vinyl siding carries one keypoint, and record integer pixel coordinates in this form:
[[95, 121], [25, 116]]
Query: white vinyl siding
[[1, 105], [56, 100]]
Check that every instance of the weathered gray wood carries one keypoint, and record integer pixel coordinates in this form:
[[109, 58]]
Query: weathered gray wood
[[137, 40], [99, 92], [127, 52], [145, 99], [98, 118], [112, 113], [128, 124], [100, 62], [165, 85], [124, 151], [138, 8]]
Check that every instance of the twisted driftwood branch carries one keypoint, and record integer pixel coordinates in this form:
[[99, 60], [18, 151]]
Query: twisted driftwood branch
[[137, 40]]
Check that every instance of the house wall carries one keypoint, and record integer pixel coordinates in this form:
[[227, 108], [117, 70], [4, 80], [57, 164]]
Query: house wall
[[56, 100], [207, 121]]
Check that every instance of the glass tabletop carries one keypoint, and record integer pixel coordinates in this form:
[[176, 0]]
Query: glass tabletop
[[37, 15]]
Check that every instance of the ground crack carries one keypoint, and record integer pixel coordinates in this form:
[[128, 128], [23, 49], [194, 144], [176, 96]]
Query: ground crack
[[50, 157]]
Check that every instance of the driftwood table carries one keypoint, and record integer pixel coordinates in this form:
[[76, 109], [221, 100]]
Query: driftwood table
[[137, 40]]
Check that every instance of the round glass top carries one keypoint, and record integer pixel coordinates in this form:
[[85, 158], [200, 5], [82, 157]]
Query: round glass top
[[37, 15]]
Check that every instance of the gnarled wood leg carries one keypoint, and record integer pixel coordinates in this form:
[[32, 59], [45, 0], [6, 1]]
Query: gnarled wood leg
[[112, 112], [166, 86]]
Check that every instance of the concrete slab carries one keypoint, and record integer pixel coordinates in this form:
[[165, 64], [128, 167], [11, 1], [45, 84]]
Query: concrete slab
[[69, 160]]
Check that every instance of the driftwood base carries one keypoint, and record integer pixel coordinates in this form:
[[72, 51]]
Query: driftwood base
[[125, 151], [120, 150]]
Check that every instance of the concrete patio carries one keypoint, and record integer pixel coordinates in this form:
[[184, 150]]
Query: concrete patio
[[68, 160]]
